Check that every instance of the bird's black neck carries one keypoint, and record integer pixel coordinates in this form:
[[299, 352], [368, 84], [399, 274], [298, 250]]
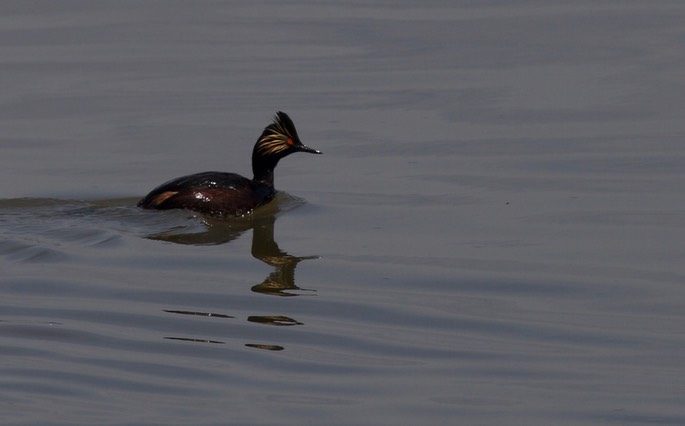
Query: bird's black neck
[[263, 169]]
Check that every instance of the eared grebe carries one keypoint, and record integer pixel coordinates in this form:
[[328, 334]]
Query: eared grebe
[[229, 194]]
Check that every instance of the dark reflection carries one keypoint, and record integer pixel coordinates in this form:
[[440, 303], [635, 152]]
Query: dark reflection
[[266, 347], [204, 314], [280, 282], [215, 232], [273, 320], [188, 339]]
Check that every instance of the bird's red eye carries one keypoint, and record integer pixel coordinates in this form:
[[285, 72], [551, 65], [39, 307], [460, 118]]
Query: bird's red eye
[[290, 141]]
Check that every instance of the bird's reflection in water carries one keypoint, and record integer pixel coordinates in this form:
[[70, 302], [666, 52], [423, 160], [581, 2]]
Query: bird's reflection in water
[[273, 320], [280, 282]]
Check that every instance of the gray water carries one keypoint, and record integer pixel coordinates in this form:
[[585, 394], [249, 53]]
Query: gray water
[[494, 234]]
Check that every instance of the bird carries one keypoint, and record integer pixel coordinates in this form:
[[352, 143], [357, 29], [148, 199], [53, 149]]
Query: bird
[[229, 194]]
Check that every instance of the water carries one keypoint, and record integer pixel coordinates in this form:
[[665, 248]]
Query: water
[[494, 234]]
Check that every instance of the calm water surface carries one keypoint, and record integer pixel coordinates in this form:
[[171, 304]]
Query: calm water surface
[[494, 234]]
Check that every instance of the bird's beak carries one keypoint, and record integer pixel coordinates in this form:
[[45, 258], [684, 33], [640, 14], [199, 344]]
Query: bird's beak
[[309, 150]]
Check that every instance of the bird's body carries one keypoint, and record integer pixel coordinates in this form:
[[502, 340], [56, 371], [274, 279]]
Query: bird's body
[[215, 193], [230, 194]]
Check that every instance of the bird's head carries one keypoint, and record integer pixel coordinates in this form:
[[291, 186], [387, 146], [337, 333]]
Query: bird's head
[[278, 140]]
